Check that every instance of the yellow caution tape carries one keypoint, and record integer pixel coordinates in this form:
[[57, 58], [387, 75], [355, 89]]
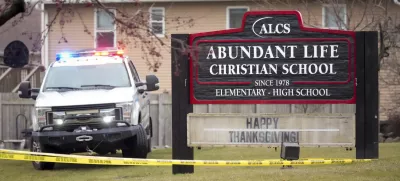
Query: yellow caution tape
[[97, 160]]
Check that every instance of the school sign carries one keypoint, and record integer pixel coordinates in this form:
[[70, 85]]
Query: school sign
[[273, 58]]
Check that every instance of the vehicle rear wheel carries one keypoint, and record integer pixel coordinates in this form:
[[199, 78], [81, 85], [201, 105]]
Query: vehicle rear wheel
[[37, 147], [138, 146]]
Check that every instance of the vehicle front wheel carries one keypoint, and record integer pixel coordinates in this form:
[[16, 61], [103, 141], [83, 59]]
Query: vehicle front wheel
[[37, 147], [138, 146]]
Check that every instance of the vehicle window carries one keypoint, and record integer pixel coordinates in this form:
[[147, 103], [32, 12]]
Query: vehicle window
[[114, 74], [134, 72]]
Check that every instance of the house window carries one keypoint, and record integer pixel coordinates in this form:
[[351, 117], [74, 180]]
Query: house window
[[157, 17], [234, 16], [334, 16], [105, 29]]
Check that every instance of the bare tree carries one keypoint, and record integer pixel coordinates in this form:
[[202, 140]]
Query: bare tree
[[360, 15], [11, 8], [133, 25]]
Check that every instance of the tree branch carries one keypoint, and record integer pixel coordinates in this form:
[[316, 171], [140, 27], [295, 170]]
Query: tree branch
[[17, 6]]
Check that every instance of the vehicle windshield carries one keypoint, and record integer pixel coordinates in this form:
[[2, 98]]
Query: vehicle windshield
[[81, 77]]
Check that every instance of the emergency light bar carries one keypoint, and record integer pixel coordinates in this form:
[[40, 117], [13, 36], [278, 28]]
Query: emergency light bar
[[64, 55]]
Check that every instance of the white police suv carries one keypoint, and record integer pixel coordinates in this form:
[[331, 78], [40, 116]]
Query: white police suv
[[91, 100]]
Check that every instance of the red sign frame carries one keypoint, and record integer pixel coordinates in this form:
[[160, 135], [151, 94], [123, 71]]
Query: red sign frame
[[192, 37]]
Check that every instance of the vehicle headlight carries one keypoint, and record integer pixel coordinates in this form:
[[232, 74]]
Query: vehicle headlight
[[108, 115], [58, 117], [127, 109], [41, 114]]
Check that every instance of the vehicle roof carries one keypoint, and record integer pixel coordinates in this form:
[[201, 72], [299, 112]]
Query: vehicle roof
[[88, 60]]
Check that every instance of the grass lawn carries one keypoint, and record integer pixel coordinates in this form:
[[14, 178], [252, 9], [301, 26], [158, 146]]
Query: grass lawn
[[386, 168]]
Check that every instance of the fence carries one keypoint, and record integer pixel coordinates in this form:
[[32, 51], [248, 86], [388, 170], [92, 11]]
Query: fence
[[10, 107], [11, 77], [160, 109]]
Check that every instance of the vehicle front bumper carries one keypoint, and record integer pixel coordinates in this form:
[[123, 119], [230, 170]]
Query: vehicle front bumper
[[104, 139]]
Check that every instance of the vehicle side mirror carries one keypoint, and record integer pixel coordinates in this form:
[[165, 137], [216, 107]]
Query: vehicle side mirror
[[34, 93], [24, 90], [152, 83]]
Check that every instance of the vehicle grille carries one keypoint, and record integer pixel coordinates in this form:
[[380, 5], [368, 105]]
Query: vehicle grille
[[83, 107], [118, 111]]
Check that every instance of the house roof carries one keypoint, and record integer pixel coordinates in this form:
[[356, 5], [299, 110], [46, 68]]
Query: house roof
[[27, 30]]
